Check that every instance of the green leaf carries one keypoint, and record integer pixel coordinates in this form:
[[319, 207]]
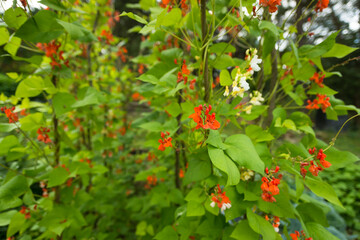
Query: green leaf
[[169, 19], [13, 45], [257, 134], [244, 153], [323, 189], [54, 4], [243, 231], [195, 209], [135, 17], [269, 26], [215, 140], [318, 232], [222, 47], [40, 28], [260, 225], [15, 17], [312, 213], [90, 97], [141, 228], [173, 109], [62, 102], [7, 127], [4, 36], [5, 217], [16, 223], [58, 176], [166, 234], [310, 51], [223, 62], [225, 78], [222, 162], [339, 51], [32, 121], [315, 89], [11, 190], [33, 86], [78, 32], [198, 169], [196, 195]]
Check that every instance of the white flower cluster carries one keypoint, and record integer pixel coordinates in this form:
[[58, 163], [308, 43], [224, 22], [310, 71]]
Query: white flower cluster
[[225, 206], [240, 84], [246, 174]]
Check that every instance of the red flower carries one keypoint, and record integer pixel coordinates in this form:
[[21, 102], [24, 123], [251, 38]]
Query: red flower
[[323, 101], [181, 173], [220, 198], [294, 236], [164, 142], [321, 5], [151, 181], [312, 105], [107, 35], [270, 185], [9, 112], [321, 156], [314, 169], [271, 4], [318, 79], [203, 119], [43, 136], [312, 151], [26, 211]]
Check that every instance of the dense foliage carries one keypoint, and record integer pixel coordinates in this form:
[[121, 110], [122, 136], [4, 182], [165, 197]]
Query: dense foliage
[[190, 139]]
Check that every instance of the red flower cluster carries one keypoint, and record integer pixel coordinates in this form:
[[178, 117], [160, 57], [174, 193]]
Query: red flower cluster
[[321, 100], [88, 161], [51, 51], [296, 236], [270, 185], [9, 112], [321, 5], [112, 18], [164, 142], [26, 211], [204, 119], [219, 198], [318, 79], [272, 4], [122, 53], [151, 181], [107, 35], [315, 168], [275, 222], [43, 136], [183, 75]]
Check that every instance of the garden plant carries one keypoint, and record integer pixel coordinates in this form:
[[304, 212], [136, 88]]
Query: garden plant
[[204, 133]]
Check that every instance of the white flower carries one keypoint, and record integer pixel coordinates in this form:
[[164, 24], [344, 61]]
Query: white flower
[[257, 98], [225, 206], [212, 204], [236, 91], [248, 109], [244, 84], [226, 93], [254, 63], [276, 229]]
